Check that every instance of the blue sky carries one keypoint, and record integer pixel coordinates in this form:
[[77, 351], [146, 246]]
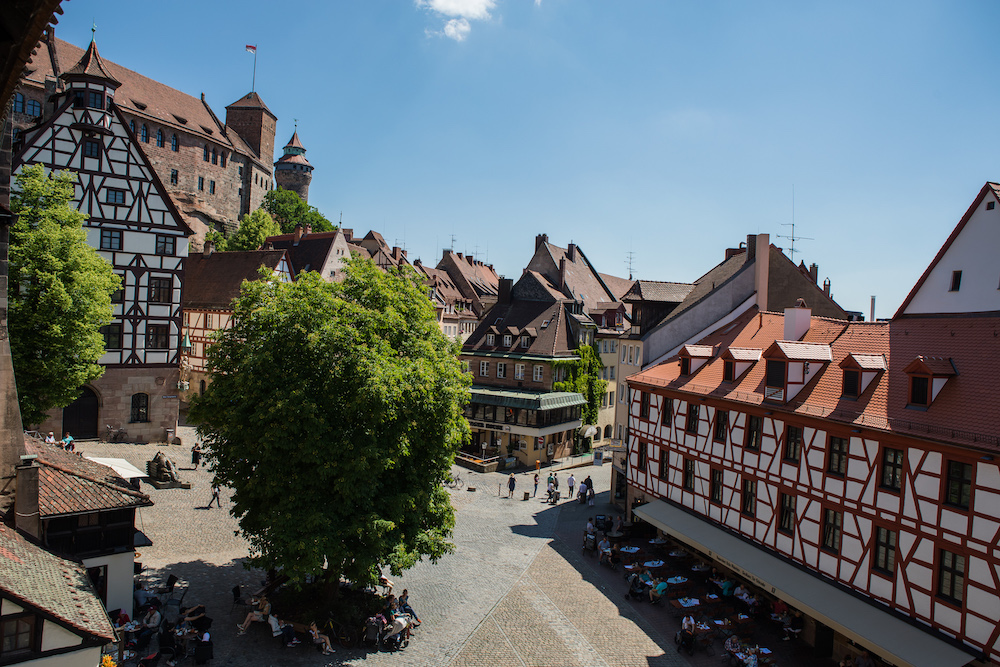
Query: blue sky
[[670, 130]]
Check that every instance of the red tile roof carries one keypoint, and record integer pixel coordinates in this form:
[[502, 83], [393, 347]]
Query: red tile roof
[[71, 484], [35, 578], [294, 142], [211, 283], [797, 351], [91, 64]]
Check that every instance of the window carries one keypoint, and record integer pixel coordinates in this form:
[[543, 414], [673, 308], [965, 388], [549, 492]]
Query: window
[[641, 462], [920, 390], [140, 408], [18, 103], [501, 369], [159, 138], [158, 336], [507, 340], [131, 126], [721, 425], [215, 157], [836, 462], [201, 183], [114, 196], [786, 515], [990, 205], [160, 290], [241, 171], [728, 370], [18, 635], [96, 100], [538, 373], [624, 353], [885, 550], [518, 371], [204, 155], [715, 486], [164, 245], [852, 383], [832, 527], [222, 159], [173, 177], [112, 336], [685, 366], [755, 429], [209, 321], [525, 341], [691, 426], [793, 443], [959, 484], [111, 239], [174, 144], [748, 504], [689, 474], [951, 576], [775, 379], [664, 464], [484, 369], [144, 134], [892, 468], [621, 393], [644, 405], [956, 281], [91, 148], [631, 354], [491, 339], [611, 374], [211, 187], [667, 411]]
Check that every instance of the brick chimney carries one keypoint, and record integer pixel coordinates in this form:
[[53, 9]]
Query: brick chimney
[[207, 250], [503, 296], [540, 239], [562, 273], [309, 229], [297, 235], [751, 248], [826, 286], [348, 234], [759, 247], [814, 272], [571, 252], [27, 518]]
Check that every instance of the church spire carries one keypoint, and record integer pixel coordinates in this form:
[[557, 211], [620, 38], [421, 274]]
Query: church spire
[[91, 66]]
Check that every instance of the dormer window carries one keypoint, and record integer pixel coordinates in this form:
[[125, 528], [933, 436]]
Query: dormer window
[[852, 383], [859, 371], [491, 339], [694, 357], [685, 366], [507, 340], [525, 341], [790, 366], [737, 361], [928, 375], [728, 370], [775, 378]]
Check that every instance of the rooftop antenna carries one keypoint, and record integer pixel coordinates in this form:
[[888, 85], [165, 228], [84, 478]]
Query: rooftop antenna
[[793, 237], [629, 257], [452, 241]]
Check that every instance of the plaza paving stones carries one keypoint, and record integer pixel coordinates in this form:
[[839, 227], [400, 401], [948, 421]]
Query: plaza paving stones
[[515, 592]]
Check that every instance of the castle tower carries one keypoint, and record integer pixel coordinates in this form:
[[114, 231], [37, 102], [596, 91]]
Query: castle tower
[[255, 124], [293, 171]]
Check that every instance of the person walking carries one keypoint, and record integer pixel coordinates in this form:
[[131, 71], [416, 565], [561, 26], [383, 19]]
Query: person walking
[[571, 482], [216, 496], [536, 486], [555, 481], [590, 494], [511, 483], [196, 455]]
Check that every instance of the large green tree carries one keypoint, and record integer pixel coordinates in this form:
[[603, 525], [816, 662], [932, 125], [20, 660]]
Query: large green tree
[[253, 231], [334, 412], [584, 377], [60, 295], [288, 210]]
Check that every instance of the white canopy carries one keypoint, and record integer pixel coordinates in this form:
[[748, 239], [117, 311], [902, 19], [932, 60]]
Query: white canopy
[[124, 469]]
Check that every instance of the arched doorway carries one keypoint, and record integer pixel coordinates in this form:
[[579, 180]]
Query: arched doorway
[[80, 416]]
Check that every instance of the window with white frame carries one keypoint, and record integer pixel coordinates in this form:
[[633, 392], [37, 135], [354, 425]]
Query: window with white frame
[[525, 341], [518, 371], [501, 369], [491, 339], [507, 340], [538, 373], [484, 368], [631, 355]]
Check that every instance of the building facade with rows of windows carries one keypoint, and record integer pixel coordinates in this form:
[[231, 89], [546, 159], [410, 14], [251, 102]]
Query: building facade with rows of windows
[[849, 468]]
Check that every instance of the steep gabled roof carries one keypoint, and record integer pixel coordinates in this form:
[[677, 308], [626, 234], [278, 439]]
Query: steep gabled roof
[[659, 291], [251, 101], [91, 64], [32, 576], [213, 282], [310, 253]]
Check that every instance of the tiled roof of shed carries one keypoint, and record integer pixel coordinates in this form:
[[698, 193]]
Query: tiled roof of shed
[[57, 586]]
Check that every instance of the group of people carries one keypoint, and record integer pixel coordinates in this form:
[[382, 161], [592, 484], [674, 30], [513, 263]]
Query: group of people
[[176, 635], [399, 616], [66, 443]]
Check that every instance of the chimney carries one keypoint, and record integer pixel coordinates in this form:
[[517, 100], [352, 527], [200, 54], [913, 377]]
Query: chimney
[[348, 234], [732, 252], [814, 272], [562, 273], [27, 518], [503, 295], [797, 320], [297, 235], [826, 286], [759, 246], [269, 245], [873, 308], [571, 252], [540, 239], [309, 229], [207, 250]]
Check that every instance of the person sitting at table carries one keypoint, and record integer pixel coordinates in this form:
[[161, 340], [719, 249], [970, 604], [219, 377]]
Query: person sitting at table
[[751, 659], [141, 597], [260, 614], [795, 625], [604, 549], [403, 602], [615, 557], [741, 592], [150, 624], [284, 630], [320, 639], [196, 618], [726, 587], [733, 644], [50, 439], [657, 590], [685, 637], [68, 444]]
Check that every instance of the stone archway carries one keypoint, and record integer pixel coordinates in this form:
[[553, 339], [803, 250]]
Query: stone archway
[[80, 416]]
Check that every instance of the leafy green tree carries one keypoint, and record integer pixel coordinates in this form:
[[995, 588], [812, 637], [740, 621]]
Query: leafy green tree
[[253, 231], [60, 295], [584, 377], [334, 412], [288, 210]]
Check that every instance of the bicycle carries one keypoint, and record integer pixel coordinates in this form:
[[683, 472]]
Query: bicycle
[[340, 633], [454, 481], [112, 434]]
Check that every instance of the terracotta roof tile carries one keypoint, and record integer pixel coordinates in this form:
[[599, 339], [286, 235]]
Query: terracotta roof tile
[[91, 64], [936, 366], [655, 290], [865, 362], [798, 351], [213, 282], [58, 587], [743, 353], [697, 351]]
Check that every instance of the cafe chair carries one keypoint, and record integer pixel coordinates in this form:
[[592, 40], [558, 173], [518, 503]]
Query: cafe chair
[[238, 600]]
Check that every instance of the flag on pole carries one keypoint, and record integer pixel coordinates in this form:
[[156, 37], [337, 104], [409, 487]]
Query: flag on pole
[[251, 48]]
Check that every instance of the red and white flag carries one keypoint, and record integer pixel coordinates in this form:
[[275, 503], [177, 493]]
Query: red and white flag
[[251, 48]]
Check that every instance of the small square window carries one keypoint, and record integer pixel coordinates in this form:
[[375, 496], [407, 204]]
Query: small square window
[[160, 290], [165, 245], [111, 239], [920, 394], [96, 100], [525, 341], [158, 336], [990, 205], [852, 383], [112, 336], [956, 281], [114, 196], [91, 148]]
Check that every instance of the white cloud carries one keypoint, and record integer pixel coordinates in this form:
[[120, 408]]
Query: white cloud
[[458, 13], [457, 29]]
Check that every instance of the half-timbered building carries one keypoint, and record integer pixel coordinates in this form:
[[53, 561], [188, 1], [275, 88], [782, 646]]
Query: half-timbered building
[[848, 468], [136, 227]]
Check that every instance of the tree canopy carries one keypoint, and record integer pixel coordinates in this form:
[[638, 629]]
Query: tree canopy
[[288, 210], [334, 412], [585, 378], [253, 231], [60, 295]]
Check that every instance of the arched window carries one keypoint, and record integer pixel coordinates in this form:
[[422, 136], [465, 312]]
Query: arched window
[[608, 431], [223, 158], [140, 408], [145, 134], [159, 138], [18, 103], [201, 387], [33, 108], [205, 154], [131, 126], [173, 143]]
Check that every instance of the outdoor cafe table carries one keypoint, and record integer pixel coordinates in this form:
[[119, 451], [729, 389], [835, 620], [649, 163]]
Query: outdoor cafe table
[[677, 580], [657, 540], [685, 604], [630, 550], [679, 553], [653, 564], [700, 567]]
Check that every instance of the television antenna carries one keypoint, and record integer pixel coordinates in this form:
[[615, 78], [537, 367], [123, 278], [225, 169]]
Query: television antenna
[[793, 237]]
